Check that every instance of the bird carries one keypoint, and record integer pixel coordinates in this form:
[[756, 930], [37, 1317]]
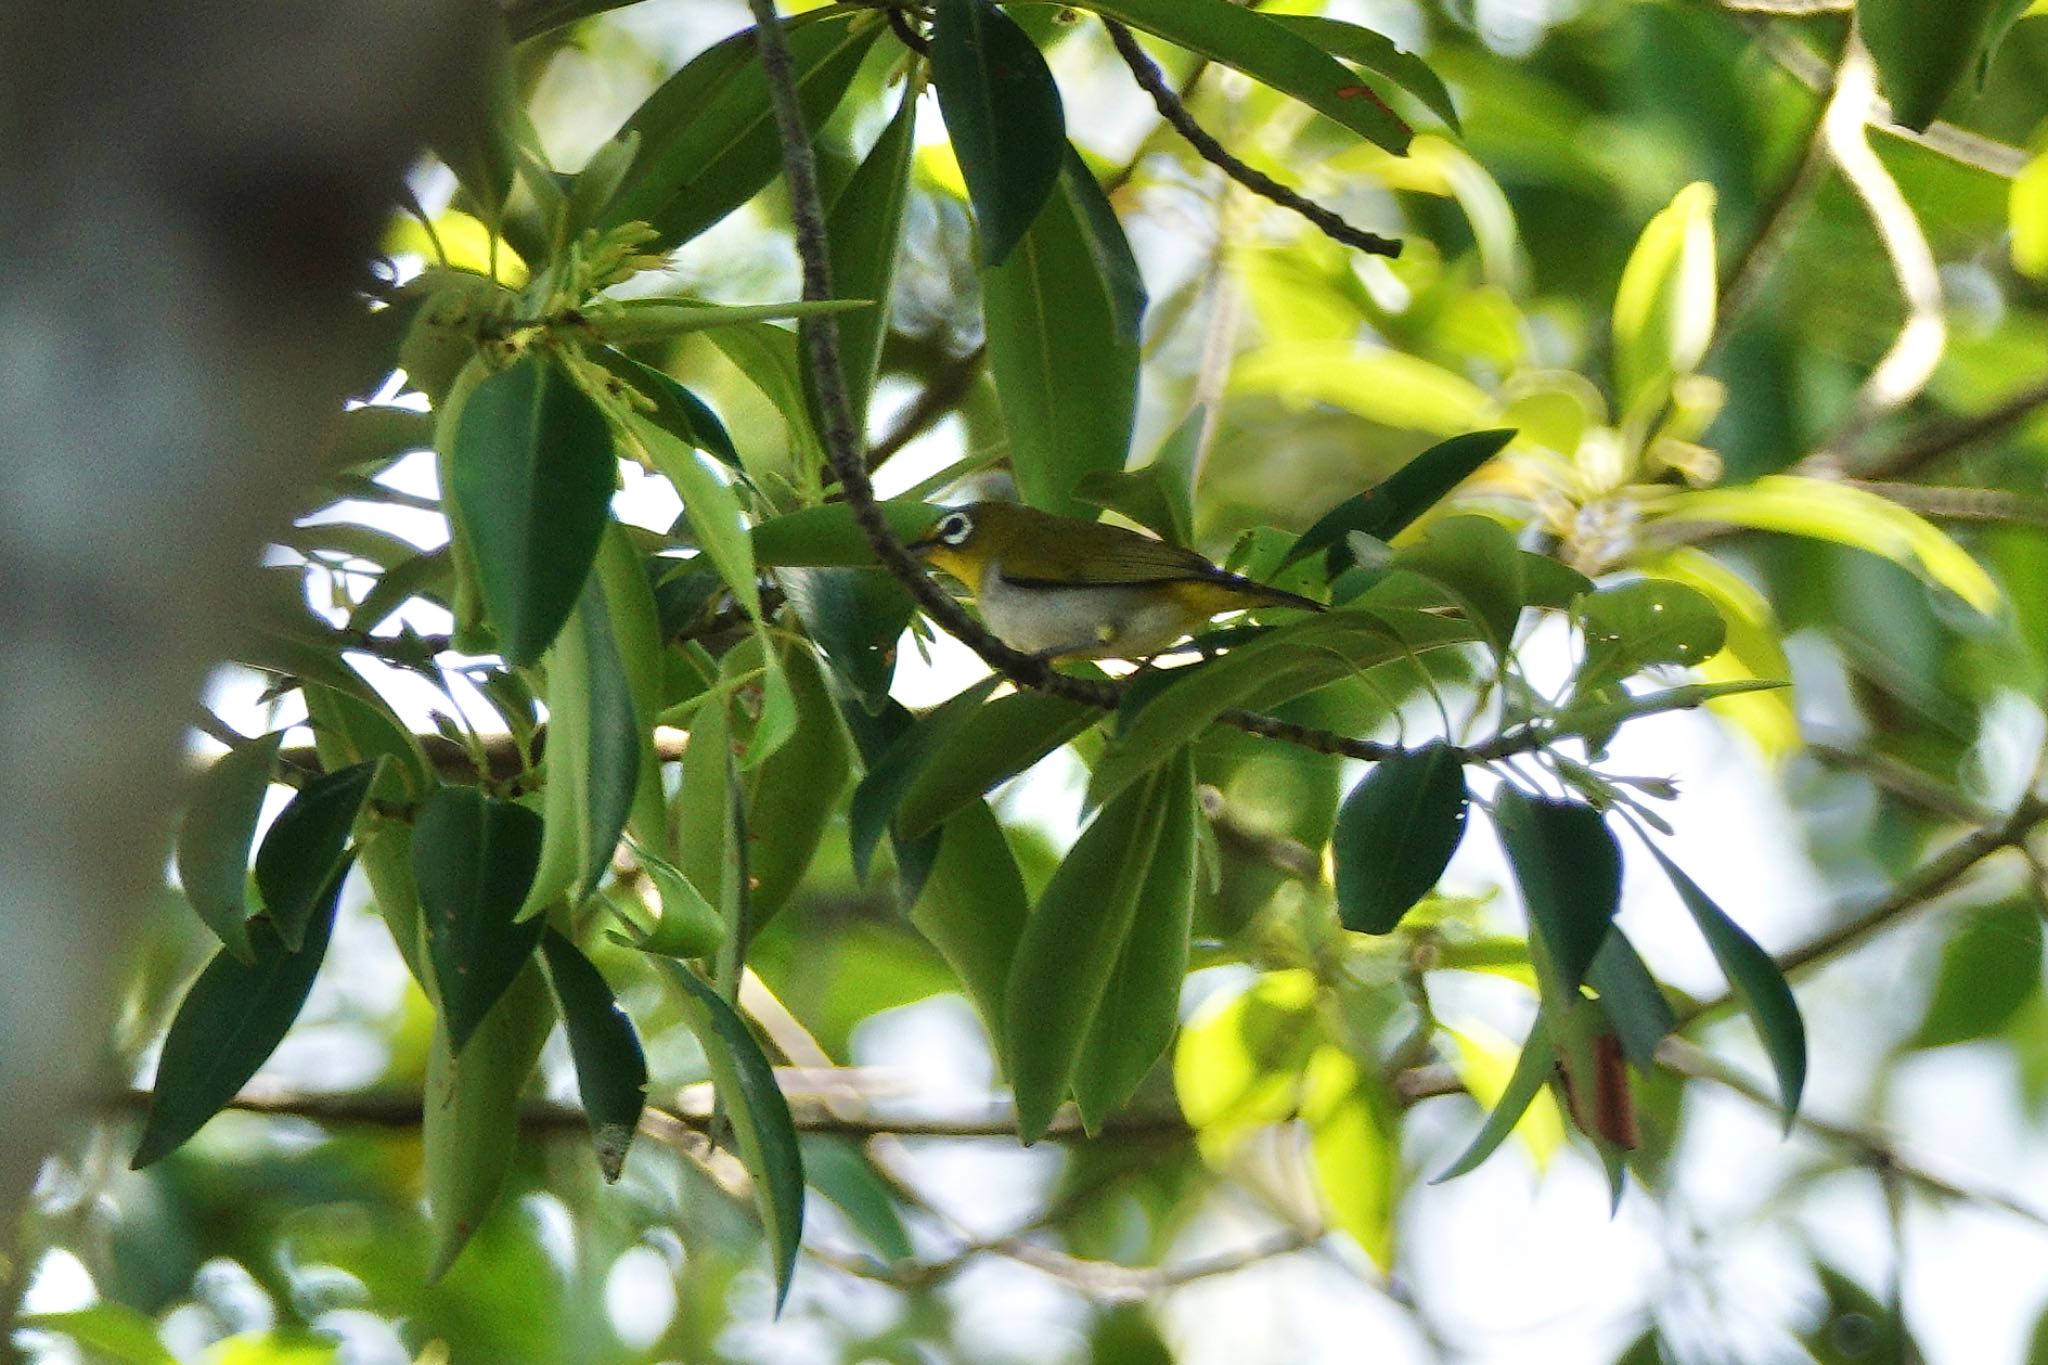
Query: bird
[[1061, 588]]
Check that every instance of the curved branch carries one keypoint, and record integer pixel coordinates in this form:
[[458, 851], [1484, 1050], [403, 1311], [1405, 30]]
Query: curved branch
[[1146, 72]]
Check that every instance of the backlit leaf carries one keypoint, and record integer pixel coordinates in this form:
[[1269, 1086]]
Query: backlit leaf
[[1664, 308]]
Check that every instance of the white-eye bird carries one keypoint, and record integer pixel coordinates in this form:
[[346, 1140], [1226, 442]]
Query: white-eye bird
[[1063, 588]]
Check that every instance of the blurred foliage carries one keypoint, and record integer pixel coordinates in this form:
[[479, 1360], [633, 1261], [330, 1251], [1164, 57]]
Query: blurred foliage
[[1689, 380]]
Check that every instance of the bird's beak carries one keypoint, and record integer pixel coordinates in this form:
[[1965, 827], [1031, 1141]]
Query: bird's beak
[[921, 544]]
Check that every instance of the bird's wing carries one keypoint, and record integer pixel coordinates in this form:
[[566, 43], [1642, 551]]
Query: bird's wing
[[1087, 555]]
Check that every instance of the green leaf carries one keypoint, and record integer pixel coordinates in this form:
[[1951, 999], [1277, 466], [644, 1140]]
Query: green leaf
[[889, 778], [347, 729], [1391, 388], [1664, 307], [471, 1129], [1989, 970], [305, 847], [707, 134], [1537, 1063], [690, 925], [1281, 664], [1388, 508], [473, 858], [1395, 834], [1267, 52], [1827, 509], [1476, 560], [531, 478], [839, 1169], [1569, 869], [109, 1329], [1602, 717], [1636, 625], [677, 411], [1758, 985], [1924, 51], [713, 510], [972, 908], [1003, 114], [760, 1116], [642, 322], [1355, 1143], [993, 744], [703, 805], [1551, 584], [1631, 999], [1159, 494], [865, 229], [856, 616], [228, 1024], [1377, 53], [1133, 1023], [1060, 312], [216, 834], [611, 1070], [829, 537], [1072, 941], [792, 794]]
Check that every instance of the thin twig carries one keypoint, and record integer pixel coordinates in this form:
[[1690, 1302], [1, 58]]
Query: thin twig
[[1926, 882], [1695, 1064], [1933, 442], [947, 387], [1146, 72], [1766, 246]]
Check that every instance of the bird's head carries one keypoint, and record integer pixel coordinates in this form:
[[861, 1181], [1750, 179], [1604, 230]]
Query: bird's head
[[962, 540]]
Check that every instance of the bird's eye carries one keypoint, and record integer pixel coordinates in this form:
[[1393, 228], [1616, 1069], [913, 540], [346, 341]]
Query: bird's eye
[[955, 528]]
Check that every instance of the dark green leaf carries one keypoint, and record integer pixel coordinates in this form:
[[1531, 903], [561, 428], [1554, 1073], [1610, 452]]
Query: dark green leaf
[[1537, 1063], [1990, 968], [532, 473], [856, 616], [865, 229], [677, 411], [1269, 54], [760, 1116], [1650, 621], [1133, 1022], [1062, 344], [1551, 584], [1070, 947], [611, 1070], [1631, 1000], [1003, 114], [613, 734], [214, 839], [876, 799], [429, 574], [473, 858], [1759, 986], [305, 846], [1386, 509], [228, 1024], [348, 729], [972, 908], [1923, 51], [1569, 869], [707, 135], [992, 745], [1375, 52], [1395, 834]]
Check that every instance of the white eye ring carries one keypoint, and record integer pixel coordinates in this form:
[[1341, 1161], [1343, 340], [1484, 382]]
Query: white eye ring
[[955, 528]]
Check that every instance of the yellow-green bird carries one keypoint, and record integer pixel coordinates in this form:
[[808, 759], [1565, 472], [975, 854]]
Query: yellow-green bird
[[1063, 588]]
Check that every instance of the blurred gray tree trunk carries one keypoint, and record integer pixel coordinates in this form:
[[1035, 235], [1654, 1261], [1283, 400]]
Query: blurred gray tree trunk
[[190, 192]]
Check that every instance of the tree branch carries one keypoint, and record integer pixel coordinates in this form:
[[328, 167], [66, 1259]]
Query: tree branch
[[1146, 72]]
